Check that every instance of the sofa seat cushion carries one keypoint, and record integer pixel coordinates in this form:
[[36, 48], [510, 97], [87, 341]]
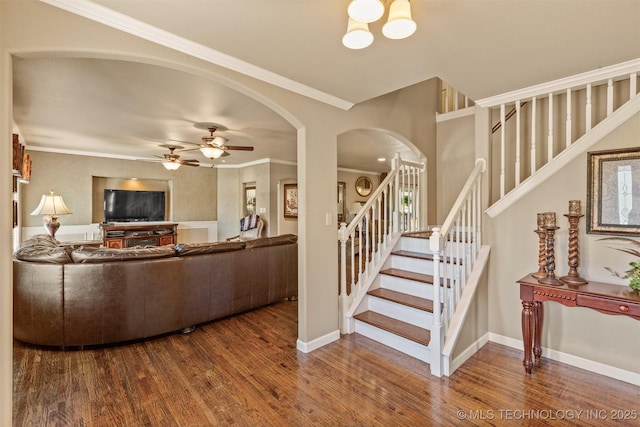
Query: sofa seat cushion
[[284, 239], [184, 249], [88, 255]]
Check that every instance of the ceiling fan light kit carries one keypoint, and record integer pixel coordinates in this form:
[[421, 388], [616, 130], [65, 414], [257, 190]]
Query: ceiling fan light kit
[[170, 166], [399, 25], [211, 152]]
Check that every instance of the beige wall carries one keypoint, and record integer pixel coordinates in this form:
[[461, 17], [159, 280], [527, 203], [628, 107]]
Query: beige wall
[[72, 177], [580, 332], [455, 159]]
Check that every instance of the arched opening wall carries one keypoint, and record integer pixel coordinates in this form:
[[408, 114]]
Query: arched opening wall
[[409, 112]]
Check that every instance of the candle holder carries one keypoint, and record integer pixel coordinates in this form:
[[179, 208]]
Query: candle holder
[[574, 215], [542, 253], [550, 229]]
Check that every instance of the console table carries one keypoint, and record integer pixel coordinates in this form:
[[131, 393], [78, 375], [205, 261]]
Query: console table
[[603, 297], [128, 235]]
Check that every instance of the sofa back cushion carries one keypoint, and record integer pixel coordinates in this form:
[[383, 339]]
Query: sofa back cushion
[[184, 249], [42, 248], [284, 239], [88, 255]]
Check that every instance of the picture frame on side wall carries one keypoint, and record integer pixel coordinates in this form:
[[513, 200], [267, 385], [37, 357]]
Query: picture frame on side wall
[[613, 192], [291, 200]]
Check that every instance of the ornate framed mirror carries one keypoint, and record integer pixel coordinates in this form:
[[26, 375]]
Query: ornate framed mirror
[[364, 186]]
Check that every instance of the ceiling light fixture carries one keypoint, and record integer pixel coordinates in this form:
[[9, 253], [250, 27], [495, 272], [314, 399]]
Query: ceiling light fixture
[[366, 10], [171, 166], [399, 25], [211, 152]]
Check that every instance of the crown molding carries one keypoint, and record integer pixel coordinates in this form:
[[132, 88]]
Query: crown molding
[[127, 24]]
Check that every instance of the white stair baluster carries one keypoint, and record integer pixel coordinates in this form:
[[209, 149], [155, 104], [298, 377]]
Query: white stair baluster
[[517, 143], [609, 97], [502, 151], [588, 114], [550, 131], [568, 124], [533, 135]]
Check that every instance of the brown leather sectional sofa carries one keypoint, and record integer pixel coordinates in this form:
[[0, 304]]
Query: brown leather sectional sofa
[[90, 296]]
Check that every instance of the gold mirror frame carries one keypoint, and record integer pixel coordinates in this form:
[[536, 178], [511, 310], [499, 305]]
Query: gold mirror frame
[[364, 186]]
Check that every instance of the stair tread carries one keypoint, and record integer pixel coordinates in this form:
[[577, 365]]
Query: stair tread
[[397, 327], [411, 275], [418, 255], [404, 299]]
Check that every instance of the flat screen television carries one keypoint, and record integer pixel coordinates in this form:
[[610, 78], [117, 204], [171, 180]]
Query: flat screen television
[[133, 205]]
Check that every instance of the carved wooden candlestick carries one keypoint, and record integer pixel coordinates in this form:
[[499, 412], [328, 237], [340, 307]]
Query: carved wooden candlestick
[[550, 228], [574, 215], [542, 253]]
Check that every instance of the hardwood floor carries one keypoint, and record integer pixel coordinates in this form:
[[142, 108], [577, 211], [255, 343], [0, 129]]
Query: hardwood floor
[[245, 371]]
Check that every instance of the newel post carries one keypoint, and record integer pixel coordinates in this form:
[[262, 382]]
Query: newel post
[[395, 167], [343, 302], [437, 337]]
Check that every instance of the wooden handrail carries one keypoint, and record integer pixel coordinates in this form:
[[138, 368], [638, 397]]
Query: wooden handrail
[[510, 114]]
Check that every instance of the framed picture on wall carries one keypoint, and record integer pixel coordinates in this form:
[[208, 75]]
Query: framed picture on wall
[[341, 206], [249, 199], [613, 193], [291, 200]]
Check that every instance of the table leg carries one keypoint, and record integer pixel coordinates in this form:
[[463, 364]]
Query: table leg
[[538, 315], [527, 333]]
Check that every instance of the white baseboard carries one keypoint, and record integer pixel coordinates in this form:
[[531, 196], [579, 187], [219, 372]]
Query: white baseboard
[[578, 362], [308, 347], [450, 366]]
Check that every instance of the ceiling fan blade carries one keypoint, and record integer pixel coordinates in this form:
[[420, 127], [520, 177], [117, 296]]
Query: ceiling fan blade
[[238, 147], [190, 164], [183, 142]]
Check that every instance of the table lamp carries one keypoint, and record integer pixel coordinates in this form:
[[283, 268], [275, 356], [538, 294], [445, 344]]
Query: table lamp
[[51, 206]]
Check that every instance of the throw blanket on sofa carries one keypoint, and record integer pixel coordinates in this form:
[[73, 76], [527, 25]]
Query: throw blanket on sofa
[[249, 222]]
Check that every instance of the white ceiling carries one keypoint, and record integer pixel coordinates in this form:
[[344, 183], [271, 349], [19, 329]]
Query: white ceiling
[[482, 47]]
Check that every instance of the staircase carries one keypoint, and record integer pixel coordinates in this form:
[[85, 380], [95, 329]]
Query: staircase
[[398, 311], [392, 299]]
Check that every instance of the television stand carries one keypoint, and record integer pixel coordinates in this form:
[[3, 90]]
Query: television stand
[[120, 236]]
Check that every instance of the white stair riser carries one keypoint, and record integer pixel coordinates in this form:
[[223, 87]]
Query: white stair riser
[[418, 265], [406, 286], [396, 342], [404, 313], [413, 244], [411, 264]]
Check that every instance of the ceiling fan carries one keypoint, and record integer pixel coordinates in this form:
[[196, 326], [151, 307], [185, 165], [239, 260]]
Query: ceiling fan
[[172, 161], [215, 146]]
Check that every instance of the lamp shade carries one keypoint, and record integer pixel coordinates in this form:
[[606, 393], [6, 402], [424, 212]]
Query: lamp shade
[[51, 205], [171, 166], [365, 10], [357, 36], [399, 25], [212, 152]]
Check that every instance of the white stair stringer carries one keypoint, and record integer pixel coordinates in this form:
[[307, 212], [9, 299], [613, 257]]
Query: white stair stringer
[[413, 349]]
